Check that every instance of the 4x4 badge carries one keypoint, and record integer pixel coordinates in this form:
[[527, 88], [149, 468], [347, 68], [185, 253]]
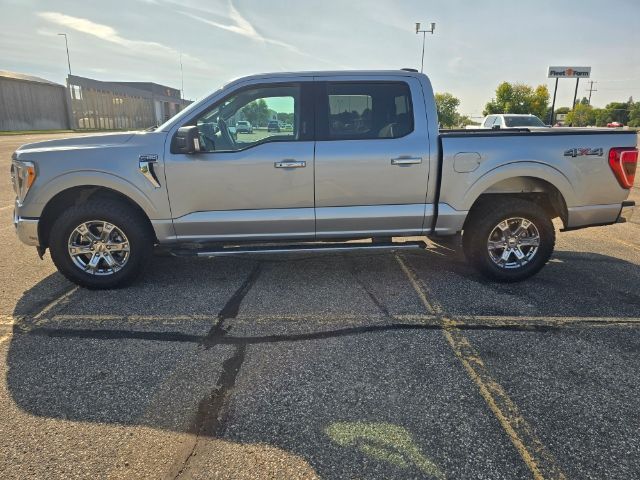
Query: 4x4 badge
[[578, 152]]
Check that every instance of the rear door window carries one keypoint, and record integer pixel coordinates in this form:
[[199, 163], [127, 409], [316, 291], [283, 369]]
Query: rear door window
[[365, 110]]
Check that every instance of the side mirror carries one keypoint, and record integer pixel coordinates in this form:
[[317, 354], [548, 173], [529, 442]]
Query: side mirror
[[495, 127], [186, 140]]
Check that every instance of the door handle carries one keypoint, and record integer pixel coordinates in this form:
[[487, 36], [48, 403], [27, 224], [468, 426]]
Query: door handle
[[290, 164], [406, 160]]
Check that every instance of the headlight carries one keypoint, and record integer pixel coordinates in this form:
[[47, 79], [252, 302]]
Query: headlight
[[23, 174]]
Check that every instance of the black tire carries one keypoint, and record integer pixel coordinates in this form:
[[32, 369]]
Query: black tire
[[481, 223], [131, 223]]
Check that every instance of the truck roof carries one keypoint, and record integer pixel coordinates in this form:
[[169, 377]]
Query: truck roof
[[325, 73]]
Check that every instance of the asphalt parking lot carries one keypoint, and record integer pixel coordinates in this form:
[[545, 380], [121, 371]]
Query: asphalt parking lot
[[361, 365]]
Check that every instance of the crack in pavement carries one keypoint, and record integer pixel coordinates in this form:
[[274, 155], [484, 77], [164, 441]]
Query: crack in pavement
[[208, 420]]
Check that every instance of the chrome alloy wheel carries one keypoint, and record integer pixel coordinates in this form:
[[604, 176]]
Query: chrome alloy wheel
[[513, 242], [98, 247]]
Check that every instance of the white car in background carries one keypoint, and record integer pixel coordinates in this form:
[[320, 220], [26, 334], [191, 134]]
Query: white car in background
[[512, 120], [242, 126]]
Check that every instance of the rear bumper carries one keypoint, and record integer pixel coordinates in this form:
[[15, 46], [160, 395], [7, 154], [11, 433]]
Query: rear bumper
[[599, 215], [27, 230]]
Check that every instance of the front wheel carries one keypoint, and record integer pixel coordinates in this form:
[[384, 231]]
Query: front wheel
[[508, 240], [101, 244]]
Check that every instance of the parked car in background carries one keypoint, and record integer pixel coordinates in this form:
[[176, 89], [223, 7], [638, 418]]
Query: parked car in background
[[379, 170], [512, 120], [615, 125], [242, 126], [273, 126]]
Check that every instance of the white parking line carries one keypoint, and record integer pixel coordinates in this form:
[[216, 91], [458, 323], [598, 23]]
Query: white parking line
[[627, 244], [7, 321], [54, 303], [533, 452]]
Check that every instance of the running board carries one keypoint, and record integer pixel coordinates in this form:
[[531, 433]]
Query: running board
[[300, 248]]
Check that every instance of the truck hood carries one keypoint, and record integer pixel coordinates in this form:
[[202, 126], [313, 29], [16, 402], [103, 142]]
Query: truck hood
[[89, 141]]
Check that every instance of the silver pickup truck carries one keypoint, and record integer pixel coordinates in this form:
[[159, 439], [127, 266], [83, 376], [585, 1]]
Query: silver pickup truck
[[363, 160]]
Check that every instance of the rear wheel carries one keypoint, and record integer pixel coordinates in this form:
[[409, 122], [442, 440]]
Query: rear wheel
[[508, 240], [101, 244]]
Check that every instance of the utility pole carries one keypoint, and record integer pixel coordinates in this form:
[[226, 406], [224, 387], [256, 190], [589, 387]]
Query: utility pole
[[66, 43], [424, 34], [591, 89]]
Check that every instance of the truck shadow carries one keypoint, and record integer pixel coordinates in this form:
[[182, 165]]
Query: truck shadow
[[166, 353]]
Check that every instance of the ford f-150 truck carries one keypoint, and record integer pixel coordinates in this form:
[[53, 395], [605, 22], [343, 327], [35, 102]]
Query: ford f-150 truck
[[364, 160]]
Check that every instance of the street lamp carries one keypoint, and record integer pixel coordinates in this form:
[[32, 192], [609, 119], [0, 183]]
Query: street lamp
[[67, 45], [424, 34]]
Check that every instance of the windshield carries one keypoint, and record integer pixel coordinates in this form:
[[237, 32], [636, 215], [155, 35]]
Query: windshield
[[528, 121]]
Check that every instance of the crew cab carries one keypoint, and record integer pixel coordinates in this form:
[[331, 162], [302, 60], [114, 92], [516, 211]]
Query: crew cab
[[364, 160]]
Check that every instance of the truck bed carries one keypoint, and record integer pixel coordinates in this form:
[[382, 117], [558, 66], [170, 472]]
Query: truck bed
[[572, 163]]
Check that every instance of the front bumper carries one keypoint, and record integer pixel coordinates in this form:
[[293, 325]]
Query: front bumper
[[626, 212], [27, 230]]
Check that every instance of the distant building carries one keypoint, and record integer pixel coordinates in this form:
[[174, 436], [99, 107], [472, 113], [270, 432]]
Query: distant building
[[102, 105], [31, 103]]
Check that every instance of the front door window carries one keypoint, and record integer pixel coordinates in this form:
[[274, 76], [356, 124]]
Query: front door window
[[251, 117]]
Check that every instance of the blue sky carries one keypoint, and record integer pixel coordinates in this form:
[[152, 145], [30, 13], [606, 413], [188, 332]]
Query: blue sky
[[476, 44]]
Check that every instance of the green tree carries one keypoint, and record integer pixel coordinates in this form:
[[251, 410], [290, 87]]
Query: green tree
[[447, 107], [286, 117], [256, 112], [601, 116], [581, 116], [464, 120], [634, 114], [618, 112], [519, 98]]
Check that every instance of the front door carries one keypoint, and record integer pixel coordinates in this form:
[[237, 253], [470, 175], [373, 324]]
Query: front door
[[372, 157], [247, 186]]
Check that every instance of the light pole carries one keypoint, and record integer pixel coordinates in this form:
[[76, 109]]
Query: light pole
[[424, 34], [66, 43]]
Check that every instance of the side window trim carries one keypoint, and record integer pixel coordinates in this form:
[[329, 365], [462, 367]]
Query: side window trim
[[322, 109]]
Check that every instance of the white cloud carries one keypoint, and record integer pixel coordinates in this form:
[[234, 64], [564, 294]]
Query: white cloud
[[109, 34], [241, 26]]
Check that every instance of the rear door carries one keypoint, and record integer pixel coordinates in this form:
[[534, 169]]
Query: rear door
[[371, 157]]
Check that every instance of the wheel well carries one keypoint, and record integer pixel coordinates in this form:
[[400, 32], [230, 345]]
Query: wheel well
[[533, 189], [77, 196]]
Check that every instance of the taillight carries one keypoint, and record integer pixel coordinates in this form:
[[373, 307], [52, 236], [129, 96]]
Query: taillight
[[623, 161]]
